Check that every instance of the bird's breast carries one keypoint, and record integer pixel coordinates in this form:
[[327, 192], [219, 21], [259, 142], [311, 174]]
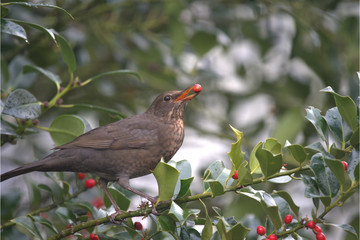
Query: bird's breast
[[172, 139]]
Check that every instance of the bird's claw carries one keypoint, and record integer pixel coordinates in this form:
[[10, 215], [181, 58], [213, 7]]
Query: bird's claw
[[112, 217]]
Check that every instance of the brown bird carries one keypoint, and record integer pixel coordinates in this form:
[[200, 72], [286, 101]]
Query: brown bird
[[122, 150]]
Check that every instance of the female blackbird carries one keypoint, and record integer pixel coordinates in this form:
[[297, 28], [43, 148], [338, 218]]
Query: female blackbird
[[122, 150]]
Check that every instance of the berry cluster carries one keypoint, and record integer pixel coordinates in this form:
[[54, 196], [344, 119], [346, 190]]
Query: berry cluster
[[316, 230], [94, 237], [287, 220], [89, 183], [261, 231]]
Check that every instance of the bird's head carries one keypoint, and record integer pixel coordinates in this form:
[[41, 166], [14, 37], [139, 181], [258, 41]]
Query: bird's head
[[172, 104]]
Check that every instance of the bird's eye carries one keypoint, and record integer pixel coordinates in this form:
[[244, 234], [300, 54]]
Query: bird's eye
[[167, 98]]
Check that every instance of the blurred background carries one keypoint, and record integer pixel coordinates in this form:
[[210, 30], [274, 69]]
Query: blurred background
[[260, 63]]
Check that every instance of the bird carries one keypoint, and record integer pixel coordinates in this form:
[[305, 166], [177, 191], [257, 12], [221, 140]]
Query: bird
[[122, 150]]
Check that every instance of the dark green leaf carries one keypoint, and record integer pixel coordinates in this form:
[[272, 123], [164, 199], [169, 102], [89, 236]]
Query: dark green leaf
[[283, 206], [346, 107], [122, 201], [66, 128], [184, 168], [297, 152], [110, 73], [339, 128], [85, 205], [353, 162], [49, 32], [12, 28], [336, 152], [216, 171], [65, 214], [177, 212], [354, 140], [67, 53], [326, 201], [22, 104], [314, 116], [53, 77], [325, 179], [312, 189], [270, 207], [282, 179], [35, 195], [231, 232], [207, 230], [7, 128], [27, 226], [345, 227], [286, 196], [338, 170], [185, 186], [4, 11], [45, 222], [244, 175], [189, 234], [166, 177], [216, 187], [167, 223], [217, 210], [315, 148], [36, 5], [54, 190], [269, 163], [99, 108], [316, 202], [356, 172]]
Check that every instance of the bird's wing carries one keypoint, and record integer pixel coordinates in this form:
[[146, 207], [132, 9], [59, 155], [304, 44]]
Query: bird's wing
[[126, 133]]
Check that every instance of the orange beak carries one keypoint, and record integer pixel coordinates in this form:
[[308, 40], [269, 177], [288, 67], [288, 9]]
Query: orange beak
[[183, 96]]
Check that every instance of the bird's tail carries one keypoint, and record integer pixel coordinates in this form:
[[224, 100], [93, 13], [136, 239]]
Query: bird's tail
[[35, 166]]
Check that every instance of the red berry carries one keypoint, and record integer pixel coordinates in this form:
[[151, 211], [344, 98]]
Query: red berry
[[235, 176], [138, 226], [260, 230], [94, 237], [90, 183], [311, 224], [345, 165], [320, 236], [288, 219], [197, 88], [98, 202], [317, 229], [81, 176], [272, 237]]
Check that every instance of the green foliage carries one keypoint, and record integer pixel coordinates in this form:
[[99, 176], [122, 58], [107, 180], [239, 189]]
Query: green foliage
[[66, 128], [155, 54]]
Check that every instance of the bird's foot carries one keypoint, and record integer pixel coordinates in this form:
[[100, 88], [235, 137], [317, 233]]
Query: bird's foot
[[113, 216], [155, 203]]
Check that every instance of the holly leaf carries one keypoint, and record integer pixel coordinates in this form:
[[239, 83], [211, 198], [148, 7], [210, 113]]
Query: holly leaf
[[22, 104], [314, 116], [66, 128], [346, 107], [166, 177], [326, 181], [269, 163]]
